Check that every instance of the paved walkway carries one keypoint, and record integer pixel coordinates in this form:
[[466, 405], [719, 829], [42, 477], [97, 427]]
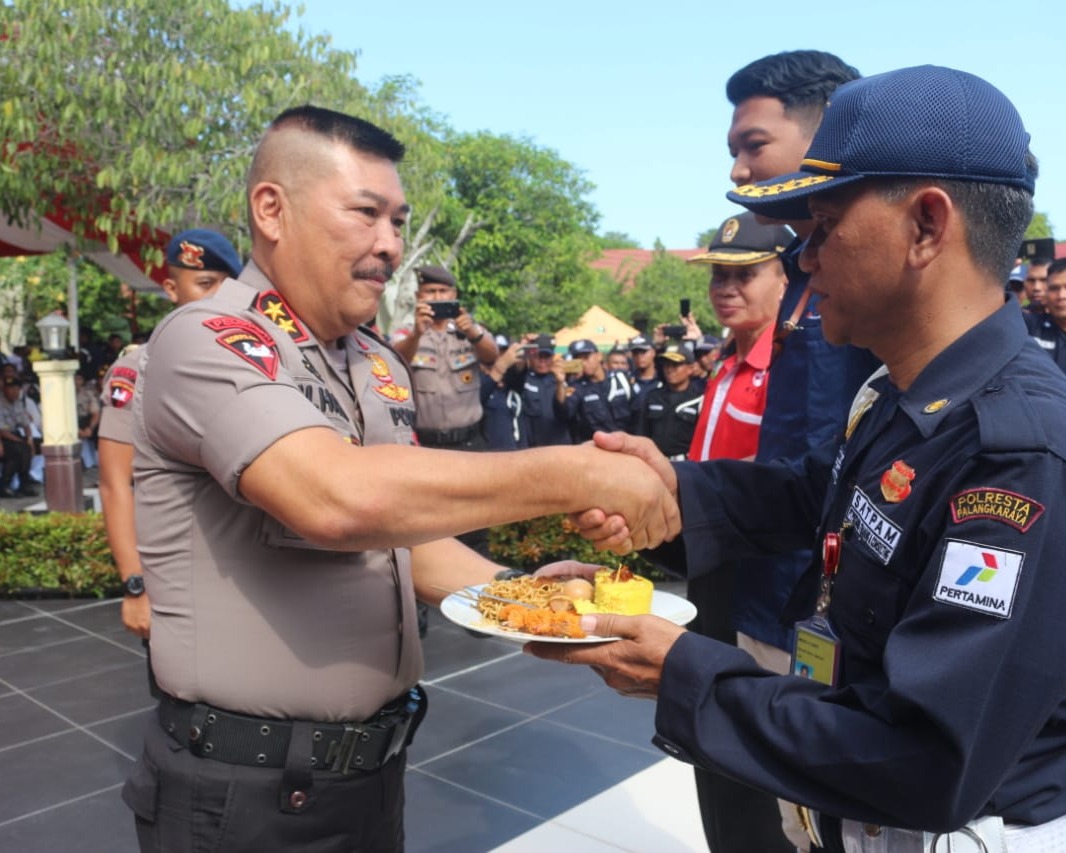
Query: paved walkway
[[516, 754]]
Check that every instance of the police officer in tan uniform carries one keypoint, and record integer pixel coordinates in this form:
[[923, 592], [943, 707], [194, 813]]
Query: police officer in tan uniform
[[198, 260], [444, 352], [285, 521]]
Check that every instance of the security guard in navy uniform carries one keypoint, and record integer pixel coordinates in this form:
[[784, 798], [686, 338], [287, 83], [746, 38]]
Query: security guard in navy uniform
[[669, 412], [599, 399], [546, 417], [1048, 329], [928, 706]]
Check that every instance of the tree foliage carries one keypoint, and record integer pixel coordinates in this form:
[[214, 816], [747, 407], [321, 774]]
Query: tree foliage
[[617, 240], [660, 286], [1039, 227], [145, 113], [526, 265]]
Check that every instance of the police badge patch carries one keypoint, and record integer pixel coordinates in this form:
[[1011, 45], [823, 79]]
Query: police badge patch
[[248, 341]]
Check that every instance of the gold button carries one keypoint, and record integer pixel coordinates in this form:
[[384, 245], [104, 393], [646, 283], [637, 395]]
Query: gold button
[[872, 830]]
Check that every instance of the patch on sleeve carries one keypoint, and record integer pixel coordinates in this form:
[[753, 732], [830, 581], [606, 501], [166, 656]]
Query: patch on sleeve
[[120, 387], [979, 578], [1012, 509], [248, 341]]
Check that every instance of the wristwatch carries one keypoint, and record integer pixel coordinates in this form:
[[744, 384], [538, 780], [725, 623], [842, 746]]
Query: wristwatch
[[134, 585], [479, 335]]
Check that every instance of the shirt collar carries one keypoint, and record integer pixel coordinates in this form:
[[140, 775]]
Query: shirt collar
[[759, 355], [961, 370]]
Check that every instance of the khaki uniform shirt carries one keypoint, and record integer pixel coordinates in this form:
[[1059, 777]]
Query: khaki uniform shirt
[[15, 417], [246, 615], [447, 381], [116, 396]]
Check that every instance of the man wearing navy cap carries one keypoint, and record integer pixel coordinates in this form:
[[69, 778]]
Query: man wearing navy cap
[[547, 417], [930, 625], [198, 261], [644, 376], [599, 399], [669, 411]]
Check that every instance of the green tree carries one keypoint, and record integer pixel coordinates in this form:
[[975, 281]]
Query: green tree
[[1040, 226], [617, 240], [661, 285], [704, 239], [526, 265], [145, 112], [33, 286]]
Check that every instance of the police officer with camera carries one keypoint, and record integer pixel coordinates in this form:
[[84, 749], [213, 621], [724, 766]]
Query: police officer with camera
[[444, 347]]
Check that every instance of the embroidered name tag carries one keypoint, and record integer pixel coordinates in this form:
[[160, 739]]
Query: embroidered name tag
[[1012, 509], [872, 528], [979, 578]]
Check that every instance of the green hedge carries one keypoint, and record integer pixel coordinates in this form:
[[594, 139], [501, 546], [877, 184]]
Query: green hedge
[[60, 554], [55, 554], [530, 544]]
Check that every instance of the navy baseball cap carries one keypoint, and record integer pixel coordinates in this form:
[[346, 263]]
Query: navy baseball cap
[[203, 249], [583, 347], [544, 344], [742, 241], [707, 343], [926, 121], [639, 343]]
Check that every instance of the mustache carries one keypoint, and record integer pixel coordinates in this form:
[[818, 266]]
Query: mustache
[[384, 271]]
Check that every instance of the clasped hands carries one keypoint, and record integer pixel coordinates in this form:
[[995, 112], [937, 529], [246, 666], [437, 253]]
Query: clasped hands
[[622, 532]]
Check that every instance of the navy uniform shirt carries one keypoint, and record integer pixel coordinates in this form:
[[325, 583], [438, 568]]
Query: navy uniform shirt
[[1048, 336], [546, 418], [605, 405], [812, 383], [504, 423], [949, 602], [669, 417]]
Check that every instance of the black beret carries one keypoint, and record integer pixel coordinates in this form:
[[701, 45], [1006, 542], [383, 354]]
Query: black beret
[[432, 273]]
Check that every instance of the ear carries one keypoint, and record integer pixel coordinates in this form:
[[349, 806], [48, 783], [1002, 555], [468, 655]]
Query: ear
[[265, 205], [933, 216], [170, 287]]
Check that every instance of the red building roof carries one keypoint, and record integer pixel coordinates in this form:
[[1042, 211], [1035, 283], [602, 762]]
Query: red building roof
[[623, 265]]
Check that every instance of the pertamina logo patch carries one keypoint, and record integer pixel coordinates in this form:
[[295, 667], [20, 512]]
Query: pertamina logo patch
[[979, 578], [1012, 509], [248, 341]]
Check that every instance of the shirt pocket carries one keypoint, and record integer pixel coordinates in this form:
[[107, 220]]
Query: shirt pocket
[[867, 602]]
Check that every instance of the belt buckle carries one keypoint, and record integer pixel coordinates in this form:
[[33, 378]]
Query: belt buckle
[[340, 754]]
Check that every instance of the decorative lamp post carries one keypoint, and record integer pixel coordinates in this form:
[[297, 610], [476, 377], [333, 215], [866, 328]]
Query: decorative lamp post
[[61, 446]]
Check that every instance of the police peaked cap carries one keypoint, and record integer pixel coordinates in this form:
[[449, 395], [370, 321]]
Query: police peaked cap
[[438, 275]]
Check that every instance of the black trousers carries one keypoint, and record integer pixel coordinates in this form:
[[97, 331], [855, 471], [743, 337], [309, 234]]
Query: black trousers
[[736, 817], [17, 458], [186, 804]]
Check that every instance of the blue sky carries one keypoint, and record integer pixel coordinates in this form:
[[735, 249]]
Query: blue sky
[[633, 94]]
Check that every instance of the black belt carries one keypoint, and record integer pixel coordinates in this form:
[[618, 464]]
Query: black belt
[[447, 436], [366, 746]]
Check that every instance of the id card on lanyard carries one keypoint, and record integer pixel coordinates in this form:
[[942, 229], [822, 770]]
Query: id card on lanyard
[[816, 647]]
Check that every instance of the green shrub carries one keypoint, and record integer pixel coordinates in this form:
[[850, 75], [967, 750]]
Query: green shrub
[[55, 553], [530, 544]]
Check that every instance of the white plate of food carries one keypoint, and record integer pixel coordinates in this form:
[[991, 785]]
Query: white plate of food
[[462, 608]]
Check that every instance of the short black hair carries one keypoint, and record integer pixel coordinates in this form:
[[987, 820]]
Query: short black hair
[[1040, 262], [802, 80], [1056, 267], [996, 215], [341, 127]]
